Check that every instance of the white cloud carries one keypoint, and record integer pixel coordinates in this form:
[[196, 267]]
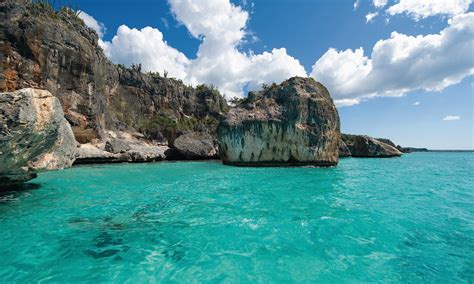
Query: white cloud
[[222, 28], [356, 4], [396, 65], [420, 9], [93, 23], [380, 3], [370, 16], [146, 46], [400, 64], [451, 118], [416, 103]]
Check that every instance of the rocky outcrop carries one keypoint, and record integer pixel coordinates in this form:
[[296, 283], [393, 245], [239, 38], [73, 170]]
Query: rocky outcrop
[[195, 146], [368, 147], [294, 123], [34, 135], [121, 147], [54, 50], [411, 149]]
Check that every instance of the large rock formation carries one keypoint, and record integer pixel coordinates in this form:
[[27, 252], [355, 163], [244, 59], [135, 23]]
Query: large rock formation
[[34, 135], [367, 147], [294, 123], [54, 50]]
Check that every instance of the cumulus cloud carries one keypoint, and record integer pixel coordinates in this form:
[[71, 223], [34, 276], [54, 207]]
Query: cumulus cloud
[[420, 9], [147, 47], [379, 3], [397, 65], [451, 118], [370, 17], [222, 28], [416, 103], [400, 64], [93, 23]]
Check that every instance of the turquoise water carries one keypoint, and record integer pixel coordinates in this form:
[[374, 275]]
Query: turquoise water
[[408, 219]]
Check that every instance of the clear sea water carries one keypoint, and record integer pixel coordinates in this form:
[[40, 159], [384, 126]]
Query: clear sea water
[[408, 219]]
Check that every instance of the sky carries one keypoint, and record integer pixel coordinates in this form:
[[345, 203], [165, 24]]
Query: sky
[[399, 69]]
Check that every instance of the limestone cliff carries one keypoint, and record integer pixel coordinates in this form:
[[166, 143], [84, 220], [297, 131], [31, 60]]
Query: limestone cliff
[[294, 123], [53, 50]]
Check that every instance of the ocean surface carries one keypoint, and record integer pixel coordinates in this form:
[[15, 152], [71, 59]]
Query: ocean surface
[[408, 219]]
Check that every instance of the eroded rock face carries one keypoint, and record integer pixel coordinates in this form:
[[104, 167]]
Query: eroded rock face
[[34, 135], [54, 50], [368, 147], [294, 123], [195, 146]]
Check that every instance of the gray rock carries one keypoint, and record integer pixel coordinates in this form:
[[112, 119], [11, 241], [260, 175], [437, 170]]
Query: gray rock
[[294, 123], [194, 145], [116, 146], [365, 146], [34, 135]]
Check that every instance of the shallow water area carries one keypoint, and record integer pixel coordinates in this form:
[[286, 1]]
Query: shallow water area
[[383, 220]]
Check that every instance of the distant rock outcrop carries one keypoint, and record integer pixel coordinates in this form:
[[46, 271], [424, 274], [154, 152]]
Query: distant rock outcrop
[[411, 149], [368, 147], [294, 123], [34, 135]]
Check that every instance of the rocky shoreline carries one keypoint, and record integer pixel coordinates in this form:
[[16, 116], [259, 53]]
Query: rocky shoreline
[[62, 102]]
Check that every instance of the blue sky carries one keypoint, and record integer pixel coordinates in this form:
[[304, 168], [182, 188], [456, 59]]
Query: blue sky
[[394, 97]]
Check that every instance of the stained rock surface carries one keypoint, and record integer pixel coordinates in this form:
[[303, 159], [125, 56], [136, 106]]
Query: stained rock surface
[[34, 135], [294, 123]]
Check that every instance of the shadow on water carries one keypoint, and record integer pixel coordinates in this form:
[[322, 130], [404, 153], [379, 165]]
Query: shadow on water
[[13, 192]]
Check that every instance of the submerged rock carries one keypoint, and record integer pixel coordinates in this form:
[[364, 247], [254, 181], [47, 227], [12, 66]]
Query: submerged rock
[[294, 123], [365, 146], [34, 135], [194, 145]]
